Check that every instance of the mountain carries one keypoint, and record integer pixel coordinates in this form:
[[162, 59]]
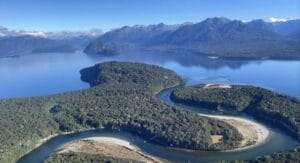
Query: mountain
[[218, 30], [5, 32], [102, 48], [23, 45], [231, 38], [77, 39], [128, 39], [289, 28], [16, 43], [220, 37]]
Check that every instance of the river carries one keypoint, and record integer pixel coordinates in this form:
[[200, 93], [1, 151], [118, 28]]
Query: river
[[280, 141]]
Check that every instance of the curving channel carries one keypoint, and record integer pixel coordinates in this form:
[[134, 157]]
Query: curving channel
[[280, 142]]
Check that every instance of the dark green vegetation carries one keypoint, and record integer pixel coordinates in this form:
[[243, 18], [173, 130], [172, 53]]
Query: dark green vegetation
[[85, 158], [280, 157], [281, 110], [122, 97], [212, 37]]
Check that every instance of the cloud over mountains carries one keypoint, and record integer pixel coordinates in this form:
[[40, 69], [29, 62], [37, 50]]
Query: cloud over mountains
[[53, 35], [273, 19]]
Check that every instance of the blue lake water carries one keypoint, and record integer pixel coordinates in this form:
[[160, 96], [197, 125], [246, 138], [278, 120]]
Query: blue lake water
[[45, 74]]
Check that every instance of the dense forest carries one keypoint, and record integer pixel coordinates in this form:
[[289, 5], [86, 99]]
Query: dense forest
[[86, 158], [279, 157], [281, 110], [261, 103], [122, 97]]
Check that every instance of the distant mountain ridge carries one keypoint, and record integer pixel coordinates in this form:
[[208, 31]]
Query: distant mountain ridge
[[17, 43], [289, 28], [12, 46], [50, 35], [220, 37]]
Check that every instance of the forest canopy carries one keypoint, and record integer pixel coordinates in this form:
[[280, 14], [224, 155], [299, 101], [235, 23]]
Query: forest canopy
[[122, 97], [281, 110]]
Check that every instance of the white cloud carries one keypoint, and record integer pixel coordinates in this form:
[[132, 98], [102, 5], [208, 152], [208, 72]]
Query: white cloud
[[273, 19], [245, 21], [54, 35], [32, 33], [69, 34]]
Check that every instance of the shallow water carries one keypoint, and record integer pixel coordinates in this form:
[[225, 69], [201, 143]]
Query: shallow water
[[49, 147]]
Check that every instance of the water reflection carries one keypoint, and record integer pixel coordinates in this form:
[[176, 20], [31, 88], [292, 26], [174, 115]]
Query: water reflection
[[183, 59], [45, 74]]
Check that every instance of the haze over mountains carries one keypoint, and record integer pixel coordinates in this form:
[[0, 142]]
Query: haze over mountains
[[16, 43], [219, 37]]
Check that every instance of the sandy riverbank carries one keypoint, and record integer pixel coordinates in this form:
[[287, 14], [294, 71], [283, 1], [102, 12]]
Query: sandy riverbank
[[108, 146], [253, 133]]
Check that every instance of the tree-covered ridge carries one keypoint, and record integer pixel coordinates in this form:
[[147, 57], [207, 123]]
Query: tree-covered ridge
[[272, 107], [86, 158], [122, 97], [279, 157]]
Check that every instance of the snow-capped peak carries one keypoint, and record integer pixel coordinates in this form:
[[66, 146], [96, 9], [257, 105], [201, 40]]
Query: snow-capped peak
[[52, 35], [274, 20]]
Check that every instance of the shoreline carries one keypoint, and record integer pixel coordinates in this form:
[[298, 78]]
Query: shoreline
[[107, 144], [261, 131], [251, 131], [247, 128], [112, 140]]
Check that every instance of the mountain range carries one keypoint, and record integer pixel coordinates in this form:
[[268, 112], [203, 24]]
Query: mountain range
[[213, 37], [16, 43], [219, 37]]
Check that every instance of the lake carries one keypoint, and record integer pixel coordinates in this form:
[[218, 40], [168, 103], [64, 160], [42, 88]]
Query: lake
[[45, 74]]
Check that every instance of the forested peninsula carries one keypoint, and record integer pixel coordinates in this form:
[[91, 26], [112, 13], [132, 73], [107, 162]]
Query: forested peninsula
[[121, 97], [271, 107]]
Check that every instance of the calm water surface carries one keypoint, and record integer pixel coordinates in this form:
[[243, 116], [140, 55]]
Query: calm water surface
[[46, 74]]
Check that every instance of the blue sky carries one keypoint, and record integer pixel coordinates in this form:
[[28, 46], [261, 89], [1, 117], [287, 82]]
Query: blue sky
[[57, 15]]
